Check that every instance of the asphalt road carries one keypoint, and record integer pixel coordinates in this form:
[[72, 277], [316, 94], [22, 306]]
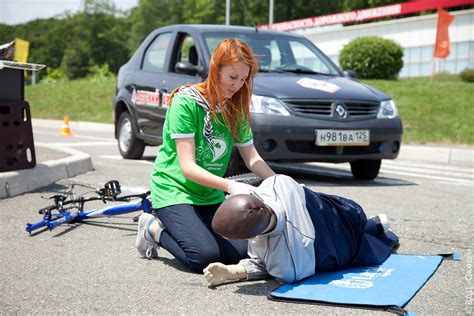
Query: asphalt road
[[93, 267]]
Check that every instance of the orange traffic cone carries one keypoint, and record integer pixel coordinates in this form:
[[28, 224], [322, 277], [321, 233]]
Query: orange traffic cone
[[65, 131]]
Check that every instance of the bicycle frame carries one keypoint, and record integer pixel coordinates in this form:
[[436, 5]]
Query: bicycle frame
[[53, 220]]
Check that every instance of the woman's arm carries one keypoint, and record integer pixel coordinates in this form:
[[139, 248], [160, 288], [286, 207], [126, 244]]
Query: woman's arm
[[254, 162], [192, 171]]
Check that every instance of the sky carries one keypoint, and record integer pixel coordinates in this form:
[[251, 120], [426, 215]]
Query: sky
[[20, 11]]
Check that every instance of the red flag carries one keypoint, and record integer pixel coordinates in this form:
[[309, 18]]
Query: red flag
[[442, 46]]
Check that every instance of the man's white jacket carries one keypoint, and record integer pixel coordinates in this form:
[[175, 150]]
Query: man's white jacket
[[287, 252]]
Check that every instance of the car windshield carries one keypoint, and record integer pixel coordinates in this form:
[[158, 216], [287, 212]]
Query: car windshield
[[279, 53]]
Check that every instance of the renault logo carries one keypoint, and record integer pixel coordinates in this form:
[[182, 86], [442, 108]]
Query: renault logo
[[341, 110]]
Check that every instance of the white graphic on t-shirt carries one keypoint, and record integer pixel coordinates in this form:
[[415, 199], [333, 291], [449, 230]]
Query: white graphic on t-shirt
[[219, 148], [218, 145]]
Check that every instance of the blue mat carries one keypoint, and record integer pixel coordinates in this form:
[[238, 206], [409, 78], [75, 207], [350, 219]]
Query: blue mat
[[389, 286]]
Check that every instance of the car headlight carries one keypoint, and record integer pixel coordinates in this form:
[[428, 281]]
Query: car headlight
[[268, 105], [388, 109]]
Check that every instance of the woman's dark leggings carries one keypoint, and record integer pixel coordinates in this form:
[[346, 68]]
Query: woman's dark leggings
[[188, 236]]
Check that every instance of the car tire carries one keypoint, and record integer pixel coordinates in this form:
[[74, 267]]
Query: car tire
[[129, 145], [236, 165], [248, 178], [365, 169]]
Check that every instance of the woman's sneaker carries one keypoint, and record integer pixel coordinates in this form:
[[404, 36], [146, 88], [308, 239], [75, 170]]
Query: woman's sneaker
[[382, 222], [146, 247]]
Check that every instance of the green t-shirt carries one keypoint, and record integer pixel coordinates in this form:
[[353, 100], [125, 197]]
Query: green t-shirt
[[186, 118]]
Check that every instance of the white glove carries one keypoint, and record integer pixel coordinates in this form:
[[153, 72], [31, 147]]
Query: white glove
[[239, 188], [217, 273]]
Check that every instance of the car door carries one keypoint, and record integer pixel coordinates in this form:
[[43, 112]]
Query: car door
[[149, 79], [186, 50]]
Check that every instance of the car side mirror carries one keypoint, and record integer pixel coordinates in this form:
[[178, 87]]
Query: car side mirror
[[187, 68], [349, 73]]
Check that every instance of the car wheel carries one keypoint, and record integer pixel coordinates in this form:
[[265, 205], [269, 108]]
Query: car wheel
[[248, 178], [365, 169], [129, 145]]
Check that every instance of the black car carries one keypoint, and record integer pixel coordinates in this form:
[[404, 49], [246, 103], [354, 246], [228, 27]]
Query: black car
[[304, 108]]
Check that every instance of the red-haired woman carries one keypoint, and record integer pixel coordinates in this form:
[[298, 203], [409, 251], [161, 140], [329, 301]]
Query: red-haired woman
[[202, 124]]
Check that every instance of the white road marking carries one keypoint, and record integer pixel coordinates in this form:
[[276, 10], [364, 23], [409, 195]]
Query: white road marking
[[76, 136], [426, 176], [422, 165], [450, 173], [83, 144], [118, 157]]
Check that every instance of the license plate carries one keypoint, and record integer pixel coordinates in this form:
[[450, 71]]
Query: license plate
[[334, 137]]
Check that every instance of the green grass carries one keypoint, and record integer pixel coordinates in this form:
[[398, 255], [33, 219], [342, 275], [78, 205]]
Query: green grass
[[433, 112], [82, 100], [439, 111]]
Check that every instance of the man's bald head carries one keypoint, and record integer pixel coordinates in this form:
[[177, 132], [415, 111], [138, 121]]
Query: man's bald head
[[241, 216]]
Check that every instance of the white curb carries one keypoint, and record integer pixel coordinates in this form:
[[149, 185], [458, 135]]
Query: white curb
[[14, 183]]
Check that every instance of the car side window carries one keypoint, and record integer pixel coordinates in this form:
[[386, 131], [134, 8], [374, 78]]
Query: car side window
[[276, 55], [186, 51], [154, 59], [305, 57]]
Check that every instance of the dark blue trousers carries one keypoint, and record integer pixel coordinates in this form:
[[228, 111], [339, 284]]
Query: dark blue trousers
[[189, 237], [344, 235]]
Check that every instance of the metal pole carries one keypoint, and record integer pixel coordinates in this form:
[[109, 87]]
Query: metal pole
[[270, 13], [227, 12]]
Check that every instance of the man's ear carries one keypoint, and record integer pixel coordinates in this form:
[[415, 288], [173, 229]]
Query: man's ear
[[273, 221]]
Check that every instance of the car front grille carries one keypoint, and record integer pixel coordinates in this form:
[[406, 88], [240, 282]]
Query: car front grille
[[326, 108]]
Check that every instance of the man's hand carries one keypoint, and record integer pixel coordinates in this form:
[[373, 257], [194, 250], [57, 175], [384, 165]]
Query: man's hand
[[217, 273], [239, 188]]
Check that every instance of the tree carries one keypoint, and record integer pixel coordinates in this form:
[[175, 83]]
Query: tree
[[95, 37], [149, 15], [44, 35], [6, 33], [297, 9], [76, 60], [204, 11]]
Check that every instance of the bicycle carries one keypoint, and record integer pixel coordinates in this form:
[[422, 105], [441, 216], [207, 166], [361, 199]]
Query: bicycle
[[68, 209]]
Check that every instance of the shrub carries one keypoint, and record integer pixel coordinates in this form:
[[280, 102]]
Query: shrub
[[99, 72], [54, 75], [467, 75], [372, 57]]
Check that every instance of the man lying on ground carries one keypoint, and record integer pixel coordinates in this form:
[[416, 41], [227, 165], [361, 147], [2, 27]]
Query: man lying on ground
[[294, 233]]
